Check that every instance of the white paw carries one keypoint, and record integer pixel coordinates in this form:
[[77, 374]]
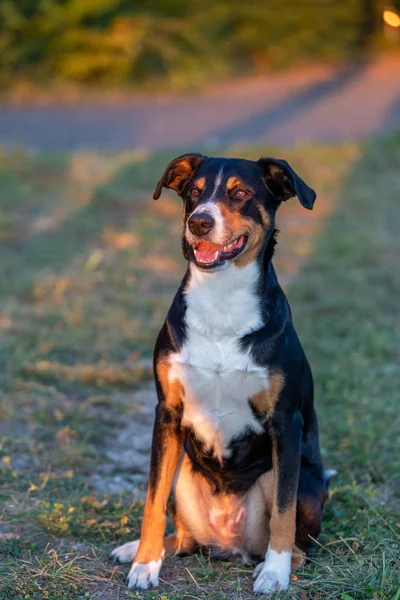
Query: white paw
[[258, 569], [273, 574], [268, 581], [125, 553], [143, 576]]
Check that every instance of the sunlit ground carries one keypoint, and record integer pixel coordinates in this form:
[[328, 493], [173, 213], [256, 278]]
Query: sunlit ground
[[89, 264]]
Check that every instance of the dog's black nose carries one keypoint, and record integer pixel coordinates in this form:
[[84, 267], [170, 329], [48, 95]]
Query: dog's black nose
[[200, 223]]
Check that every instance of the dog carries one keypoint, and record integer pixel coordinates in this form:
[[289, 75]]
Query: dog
[[235, 455]]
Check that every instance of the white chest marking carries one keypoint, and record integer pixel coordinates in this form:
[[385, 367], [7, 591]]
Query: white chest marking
[[217, 375]]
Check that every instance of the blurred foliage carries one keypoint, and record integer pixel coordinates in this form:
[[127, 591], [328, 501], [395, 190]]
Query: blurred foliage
[[131, 41]]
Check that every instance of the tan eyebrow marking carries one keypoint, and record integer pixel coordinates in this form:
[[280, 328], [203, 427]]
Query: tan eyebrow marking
[[233, 182], [200, 183]]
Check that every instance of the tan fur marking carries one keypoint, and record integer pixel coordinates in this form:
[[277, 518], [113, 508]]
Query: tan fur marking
[[181, 541], [235, 222], [154, 519], [298, 558], [258, 502], [254, 246], [200, 183], [212, 520], [202, 518], [179, 544], [282, 524], [233, 182], [151, 545], [267, 485], [264, 215], [266, 400], [174, 390], [180, 171], [237, 225], [283, 528]]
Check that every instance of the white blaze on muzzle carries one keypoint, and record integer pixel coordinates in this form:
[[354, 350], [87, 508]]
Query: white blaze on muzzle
[[212, 209]]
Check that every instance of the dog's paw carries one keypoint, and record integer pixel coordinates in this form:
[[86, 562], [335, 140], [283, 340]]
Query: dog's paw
[[125, 553], [270, 581], [273, 574], [257, 569], [144, 575]]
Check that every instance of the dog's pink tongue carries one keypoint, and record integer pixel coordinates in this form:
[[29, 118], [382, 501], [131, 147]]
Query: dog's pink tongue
[[206, 251]]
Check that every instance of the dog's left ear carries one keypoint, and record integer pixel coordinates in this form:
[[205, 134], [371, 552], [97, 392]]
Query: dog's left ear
[[284, 183], [178, 172]]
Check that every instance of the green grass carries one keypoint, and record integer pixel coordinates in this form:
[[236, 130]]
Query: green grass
[[89, 265]]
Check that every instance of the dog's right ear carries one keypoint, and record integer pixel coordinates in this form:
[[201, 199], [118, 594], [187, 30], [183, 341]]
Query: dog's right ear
[[178, 173]]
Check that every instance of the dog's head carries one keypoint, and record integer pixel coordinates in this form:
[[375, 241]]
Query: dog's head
[[230, 205]]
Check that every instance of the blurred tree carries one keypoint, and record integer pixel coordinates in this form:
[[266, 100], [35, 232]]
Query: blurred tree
[[176, 42], [371, 22]]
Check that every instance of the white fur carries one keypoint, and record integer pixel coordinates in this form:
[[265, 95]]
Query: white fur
[[329, 473], [126, 552], [273, 574], [218, 377], [143, 576], [217, 183]]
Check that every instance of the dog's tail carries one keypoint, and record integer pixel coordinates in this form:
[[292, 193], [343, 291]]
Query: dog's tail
[[328, 475]]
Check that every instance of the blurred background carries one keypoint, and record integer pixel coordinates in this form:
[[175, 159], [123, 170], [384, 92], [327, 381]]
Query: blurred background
[[96, 96], [120, 74]]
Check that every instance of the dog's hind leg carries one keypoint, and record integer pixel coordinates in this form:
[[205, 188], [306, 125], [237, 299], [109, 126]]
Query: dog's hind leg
[[210, 520], [312, 490], [259, 500], [125, 553], [309, 512], [181, 542]]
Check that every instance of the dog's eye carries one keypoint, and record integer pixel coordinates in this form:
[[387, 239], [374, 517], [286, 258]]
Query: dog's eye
[[194, 192], [240, 193]]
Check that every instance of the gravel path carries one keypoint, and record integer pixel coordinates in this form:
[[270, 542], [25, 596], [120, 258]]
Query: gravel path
[[308, 104]]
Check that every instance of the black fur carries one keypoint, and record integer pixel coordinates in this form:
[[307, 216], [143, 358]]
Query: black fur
[[292, 428]]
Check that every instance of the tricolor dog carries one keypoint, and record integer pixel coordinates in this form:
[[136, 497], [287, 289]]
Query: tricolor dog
[[235, 456]]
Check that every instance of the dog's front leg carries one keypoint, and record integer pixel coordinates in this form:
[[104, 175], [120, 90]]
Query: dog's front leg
[[273, 574], [166, 449]]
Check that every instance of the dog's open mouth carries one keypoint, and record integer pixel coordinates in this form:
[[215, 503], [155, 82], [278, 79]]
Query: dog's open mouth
[[209, 255]]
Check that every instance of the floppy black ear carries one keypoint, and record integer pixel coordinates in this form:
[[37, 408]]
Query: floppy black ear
[[178, 172], [284, 183]]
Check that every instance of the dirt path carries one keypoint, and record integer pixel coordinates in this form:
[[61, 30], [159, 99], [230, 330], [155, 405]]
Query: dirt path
[[308, 104]]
